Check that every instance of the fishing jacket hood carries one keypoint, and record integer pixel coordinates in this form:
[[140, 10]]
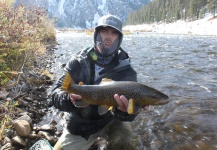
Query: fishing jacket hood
[[81, 67]]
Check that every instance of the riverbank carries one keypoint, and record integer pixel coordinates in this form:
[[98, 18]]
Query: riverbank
[[205, 26], [24, 102]]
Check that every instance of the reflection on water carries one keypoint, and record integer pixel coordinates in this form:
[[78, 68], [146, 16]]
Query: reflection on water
[[182, 66]]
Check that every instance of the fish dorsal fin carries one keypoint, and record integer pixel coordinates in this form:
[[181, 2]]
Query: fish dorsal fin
[[106, 81], [102, 109], [132, 107]]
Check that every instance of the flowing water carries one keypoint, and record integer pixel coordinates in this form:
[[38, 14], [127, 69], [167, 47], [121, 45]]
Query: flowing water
[[182, 66]]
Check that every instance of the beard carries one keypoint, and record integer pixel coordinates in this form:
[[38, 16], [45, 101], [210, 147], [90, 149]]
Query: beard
[[104, 50]]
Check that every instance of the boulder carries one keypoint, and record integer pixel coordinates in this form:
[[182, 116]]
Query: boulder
[[22, 127]]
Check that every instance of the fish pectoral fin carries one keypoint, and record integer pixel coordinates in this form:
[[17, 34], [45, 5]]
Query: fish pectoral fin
[[102, 109], [132, 107], [111, 108], [79, 103]]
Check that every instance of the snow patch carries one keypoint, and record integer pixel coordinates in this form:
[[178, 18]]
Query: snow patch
[[205, 26]]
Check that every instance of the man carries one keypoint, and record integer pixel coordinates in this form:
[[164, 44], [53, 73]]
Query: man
[[105, 60]]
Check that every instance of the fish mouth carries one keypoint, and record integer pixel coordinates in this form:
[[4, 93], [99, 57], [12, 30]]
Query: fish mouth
[[162, 102], [161, 99]]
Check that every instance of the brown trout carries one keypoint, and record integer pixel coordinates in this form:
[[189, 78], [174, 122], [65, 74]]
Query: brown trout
[[139, 95]]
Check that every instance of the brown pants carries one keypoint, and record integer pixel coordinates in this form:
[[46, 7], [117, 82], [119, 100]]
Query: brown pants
[[118, 134]]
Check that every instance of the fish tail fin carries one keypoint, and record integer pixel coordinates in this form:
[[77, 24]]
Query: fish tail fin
[[132, 108], [66, 82]]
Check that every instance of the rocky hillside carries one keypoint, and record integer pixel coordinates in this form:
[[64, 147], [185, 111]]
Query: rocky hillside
[[85, 13]]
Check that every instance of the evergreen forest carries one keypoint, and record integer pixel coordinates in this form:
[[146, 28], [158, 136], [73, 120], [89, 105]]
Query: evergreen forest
[[171, 10]]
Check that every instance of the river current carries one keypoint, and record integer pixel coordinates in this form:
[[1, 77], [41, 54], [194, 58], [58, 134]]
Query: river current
[[182, 66]]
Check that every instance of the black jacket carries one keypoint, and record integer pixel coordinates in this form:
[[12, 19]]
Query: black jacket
[[86, 121]]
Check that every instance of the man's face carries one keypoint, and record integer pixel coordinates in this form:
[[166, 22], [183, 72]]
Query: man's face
[[108, 36]]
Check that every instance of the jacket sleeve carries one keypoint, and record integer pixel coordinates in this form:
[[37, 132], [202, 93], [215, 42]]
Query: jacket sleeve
[[60, 99]]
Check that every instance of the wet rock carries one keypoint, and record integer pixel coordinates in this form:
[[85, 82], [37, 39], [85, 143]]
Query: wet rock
[[63, 65], [22, 127], [32, 135], [42, 112], [6, 140], [3, 94], [19, 110], [48, 136], [49, 82], [23, 114], [33, 111], [29, 99], [53, 122], [9, 133], [58, 134], [40, 89], [31, 115], [22, 103], [6, 146], [8, 99], [9, 122], [49, 103], [25, 117], [3, 109], [18, 141], [47, 128]]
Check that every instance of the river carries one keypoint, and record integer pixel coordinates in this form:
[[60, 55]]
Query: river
[[182, 66]]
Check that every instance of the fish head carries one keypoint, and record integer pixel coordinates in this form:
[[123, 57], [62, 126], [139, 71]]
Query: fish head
[[154, 96], [160, 98]]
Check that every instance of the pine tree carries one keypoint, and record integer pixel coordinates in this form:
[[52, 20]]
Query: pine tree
[[212, 6], [172, 10]]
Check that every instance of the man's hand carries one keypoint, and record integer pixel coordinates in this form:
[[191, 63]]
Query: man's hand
[[123, 103]]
